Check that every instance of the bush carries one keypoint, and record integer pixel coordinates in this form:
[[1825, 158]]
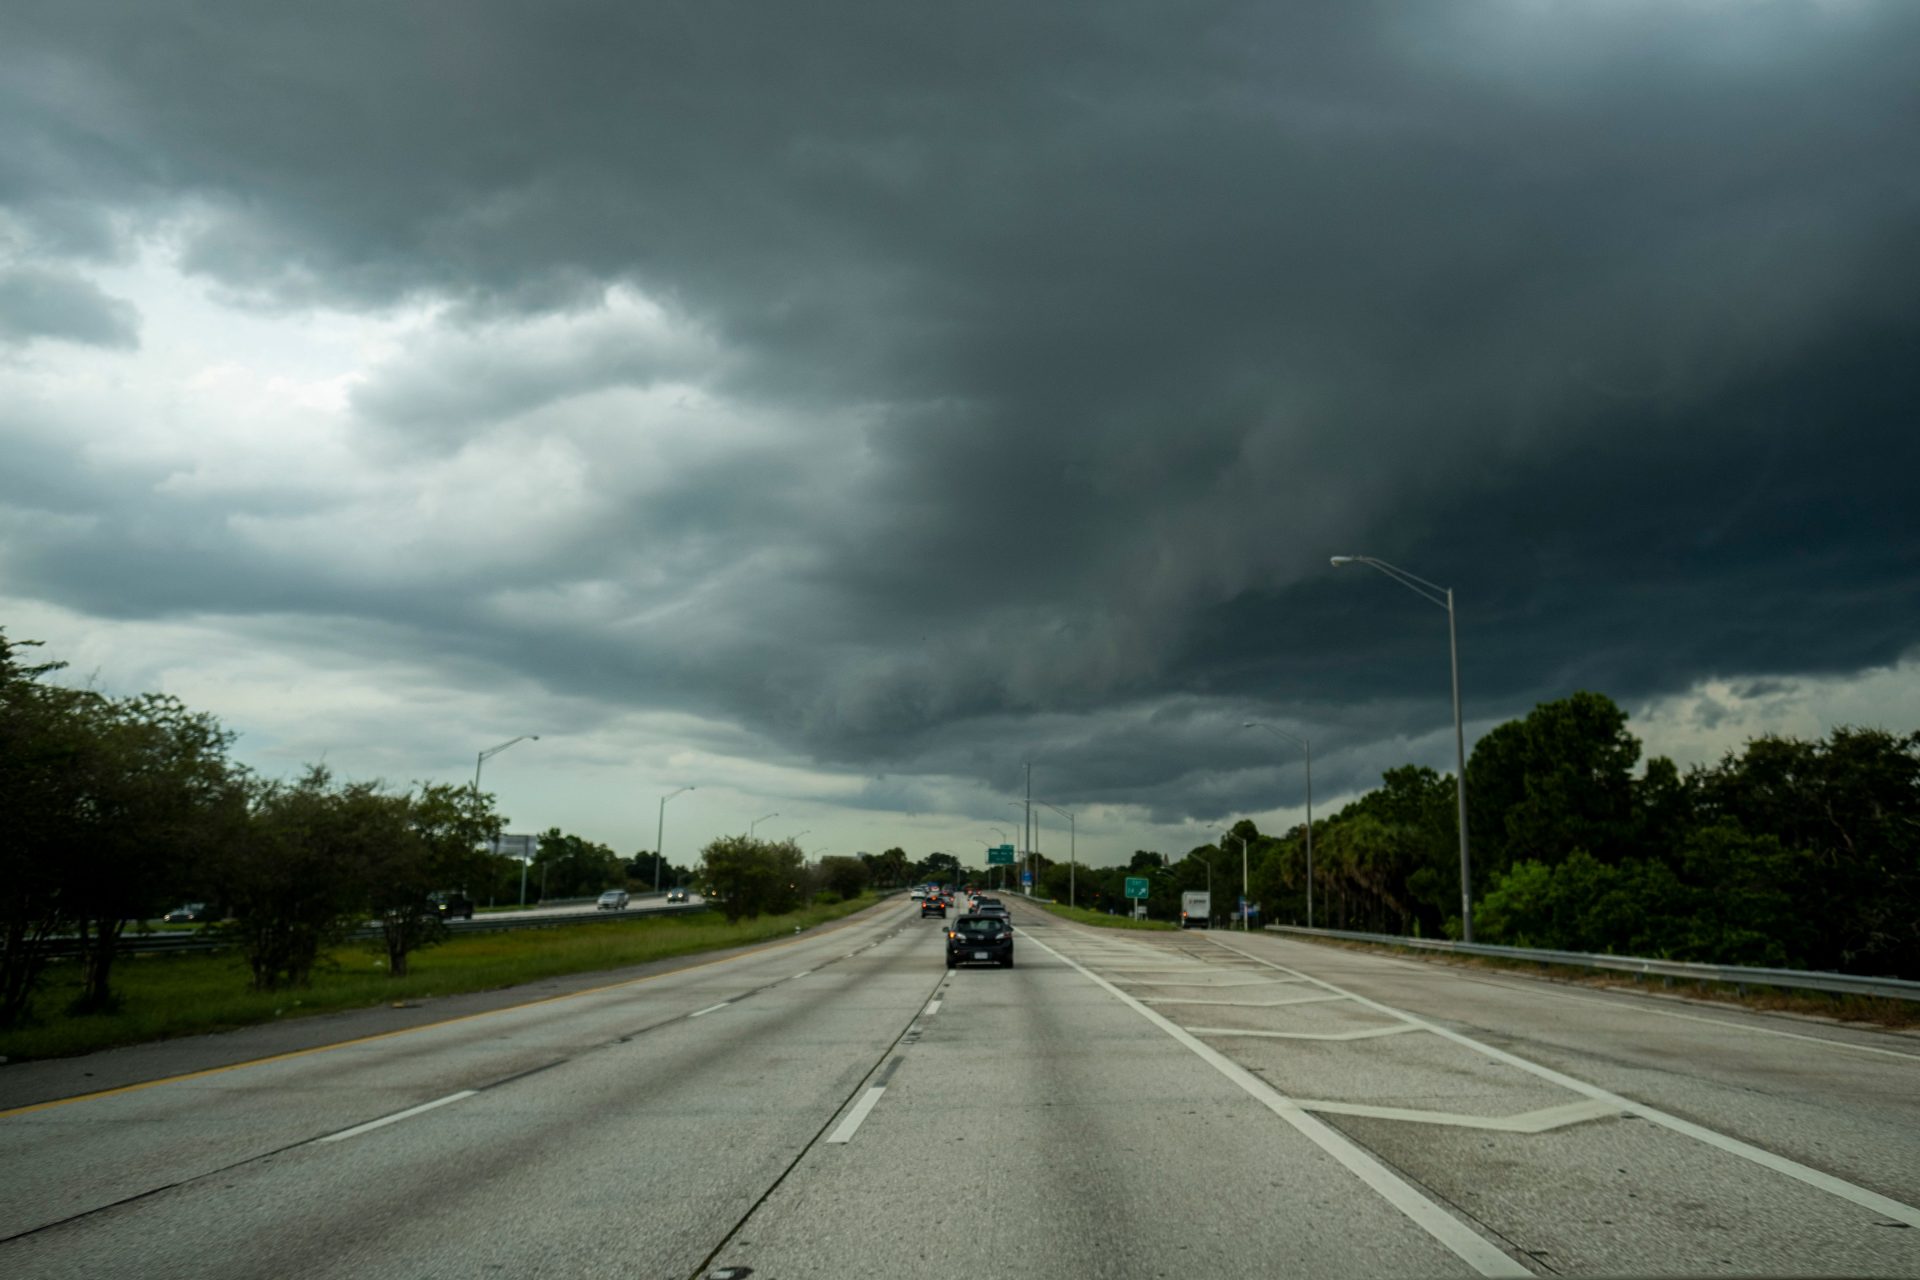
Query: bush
[[754, 877]]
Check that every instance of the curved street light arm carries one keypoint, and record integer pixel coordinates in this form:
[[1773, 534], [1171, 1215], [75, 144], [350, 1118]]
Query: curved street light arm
[[1431, 592]]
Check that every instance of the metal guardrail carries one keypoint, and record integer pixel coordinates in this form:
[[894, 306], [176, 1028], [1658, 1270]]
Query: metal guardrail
[[1732, 974], [189, 943]]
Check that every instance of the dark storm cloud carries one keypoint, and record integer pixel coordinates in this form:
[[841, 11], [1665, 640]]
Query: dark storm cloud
[[1600, 314], [39, 303]]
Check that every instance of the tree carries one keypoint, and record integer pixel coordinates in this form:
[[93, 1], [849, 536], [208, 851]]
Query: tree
[[642, 875], [44, 751], [844, 876], [158, 791], [570, 866], [109, 803], [1849, 808], [941, 868], [891, 867], [436, 845], [296, 873], [1558, 780], [753, 877]]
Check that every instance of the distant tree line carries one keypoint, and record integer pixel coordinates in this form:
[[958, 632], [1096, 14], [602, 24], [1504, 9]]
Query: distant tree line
[[122, 808], [746, 877], [1787, 853]]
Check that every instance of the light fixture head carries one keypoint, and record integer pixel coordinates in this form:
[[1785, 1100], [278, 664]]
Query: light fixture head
[[1340, 560]]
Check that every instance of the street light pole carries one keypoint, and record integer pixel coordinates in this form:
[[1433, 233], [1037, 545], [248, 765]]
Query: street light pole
[[1244, 892], [1073, 851], [1433, 593], [1029, 850], [481, 759], [754, 825], [1307, 747], [1028, 831], [659, 833]]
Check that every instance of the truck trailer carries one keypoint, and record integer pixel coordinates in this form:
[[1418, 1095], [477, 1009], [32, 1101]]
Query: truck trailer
[[1196, 910]]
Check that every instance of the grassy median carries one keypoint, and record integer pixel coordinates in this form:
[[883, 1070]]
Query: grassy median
[[1084, 915], [164, 996]]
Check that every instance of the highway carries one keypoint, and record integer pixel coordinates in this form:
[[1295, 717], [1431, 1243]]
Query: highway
[[641, 902], [1119, 1103]]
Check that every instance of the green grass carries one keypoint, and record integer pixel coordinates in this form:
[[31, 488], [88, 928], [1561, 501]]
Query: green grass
[[164, 996], [1084, 915]]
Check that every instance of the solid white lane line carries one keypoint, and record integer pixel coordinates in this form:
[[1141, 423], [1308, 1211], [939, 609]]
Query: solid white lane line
[[1791, 1035], [845, 1130], [710, 1008], [1477, 1252], [1845, 1190], [1211, 986], [1244, 1004], [803, 973], [1368, 1033], [933, 1008], [396, 1117], [1567, 1113]]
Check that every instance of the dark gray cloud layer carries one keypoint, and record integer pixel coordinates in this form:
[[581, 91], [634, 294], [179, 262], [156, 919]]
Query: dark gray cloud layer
[[1601, 314], [36, 302]]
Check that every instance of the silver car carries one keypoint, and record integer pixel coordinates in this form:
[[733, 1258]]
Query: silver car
[[612, 900]]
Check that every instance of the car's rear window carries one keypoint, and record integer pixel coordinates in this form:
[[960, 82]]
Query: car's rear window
[[978, 924]]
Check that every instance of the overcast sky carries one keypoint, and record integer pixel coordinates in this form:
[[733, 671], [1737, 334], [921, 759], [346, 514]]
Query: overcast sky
[[834, 405]]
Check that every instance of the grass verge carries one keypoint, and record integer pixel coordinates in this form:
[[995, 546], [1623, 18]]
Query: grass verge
[[1894, 1014], [1084, 915], [163, 996]]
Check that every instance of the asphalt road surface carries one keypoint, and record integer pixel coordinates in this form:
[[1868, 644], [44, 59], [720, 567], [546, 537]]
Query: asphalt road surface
[[1117, 1104]]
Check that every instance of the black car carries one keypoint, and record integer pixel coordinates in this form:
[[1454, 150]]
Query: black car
[[992, 907], [932, 906], [452, 906], [980, 939]]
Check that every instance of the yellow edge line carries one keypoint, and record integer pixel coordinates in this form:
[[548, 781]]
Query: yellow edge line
[[425, 1026]]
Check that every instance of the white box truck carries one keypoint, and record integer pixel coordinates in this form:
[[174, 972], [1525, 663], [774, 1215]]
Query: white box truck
[[1196, 910]]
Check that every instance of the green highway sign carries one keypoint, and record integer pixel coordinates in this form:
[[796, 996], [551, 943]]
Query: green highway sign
[[999, 855], [1136, 886]]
